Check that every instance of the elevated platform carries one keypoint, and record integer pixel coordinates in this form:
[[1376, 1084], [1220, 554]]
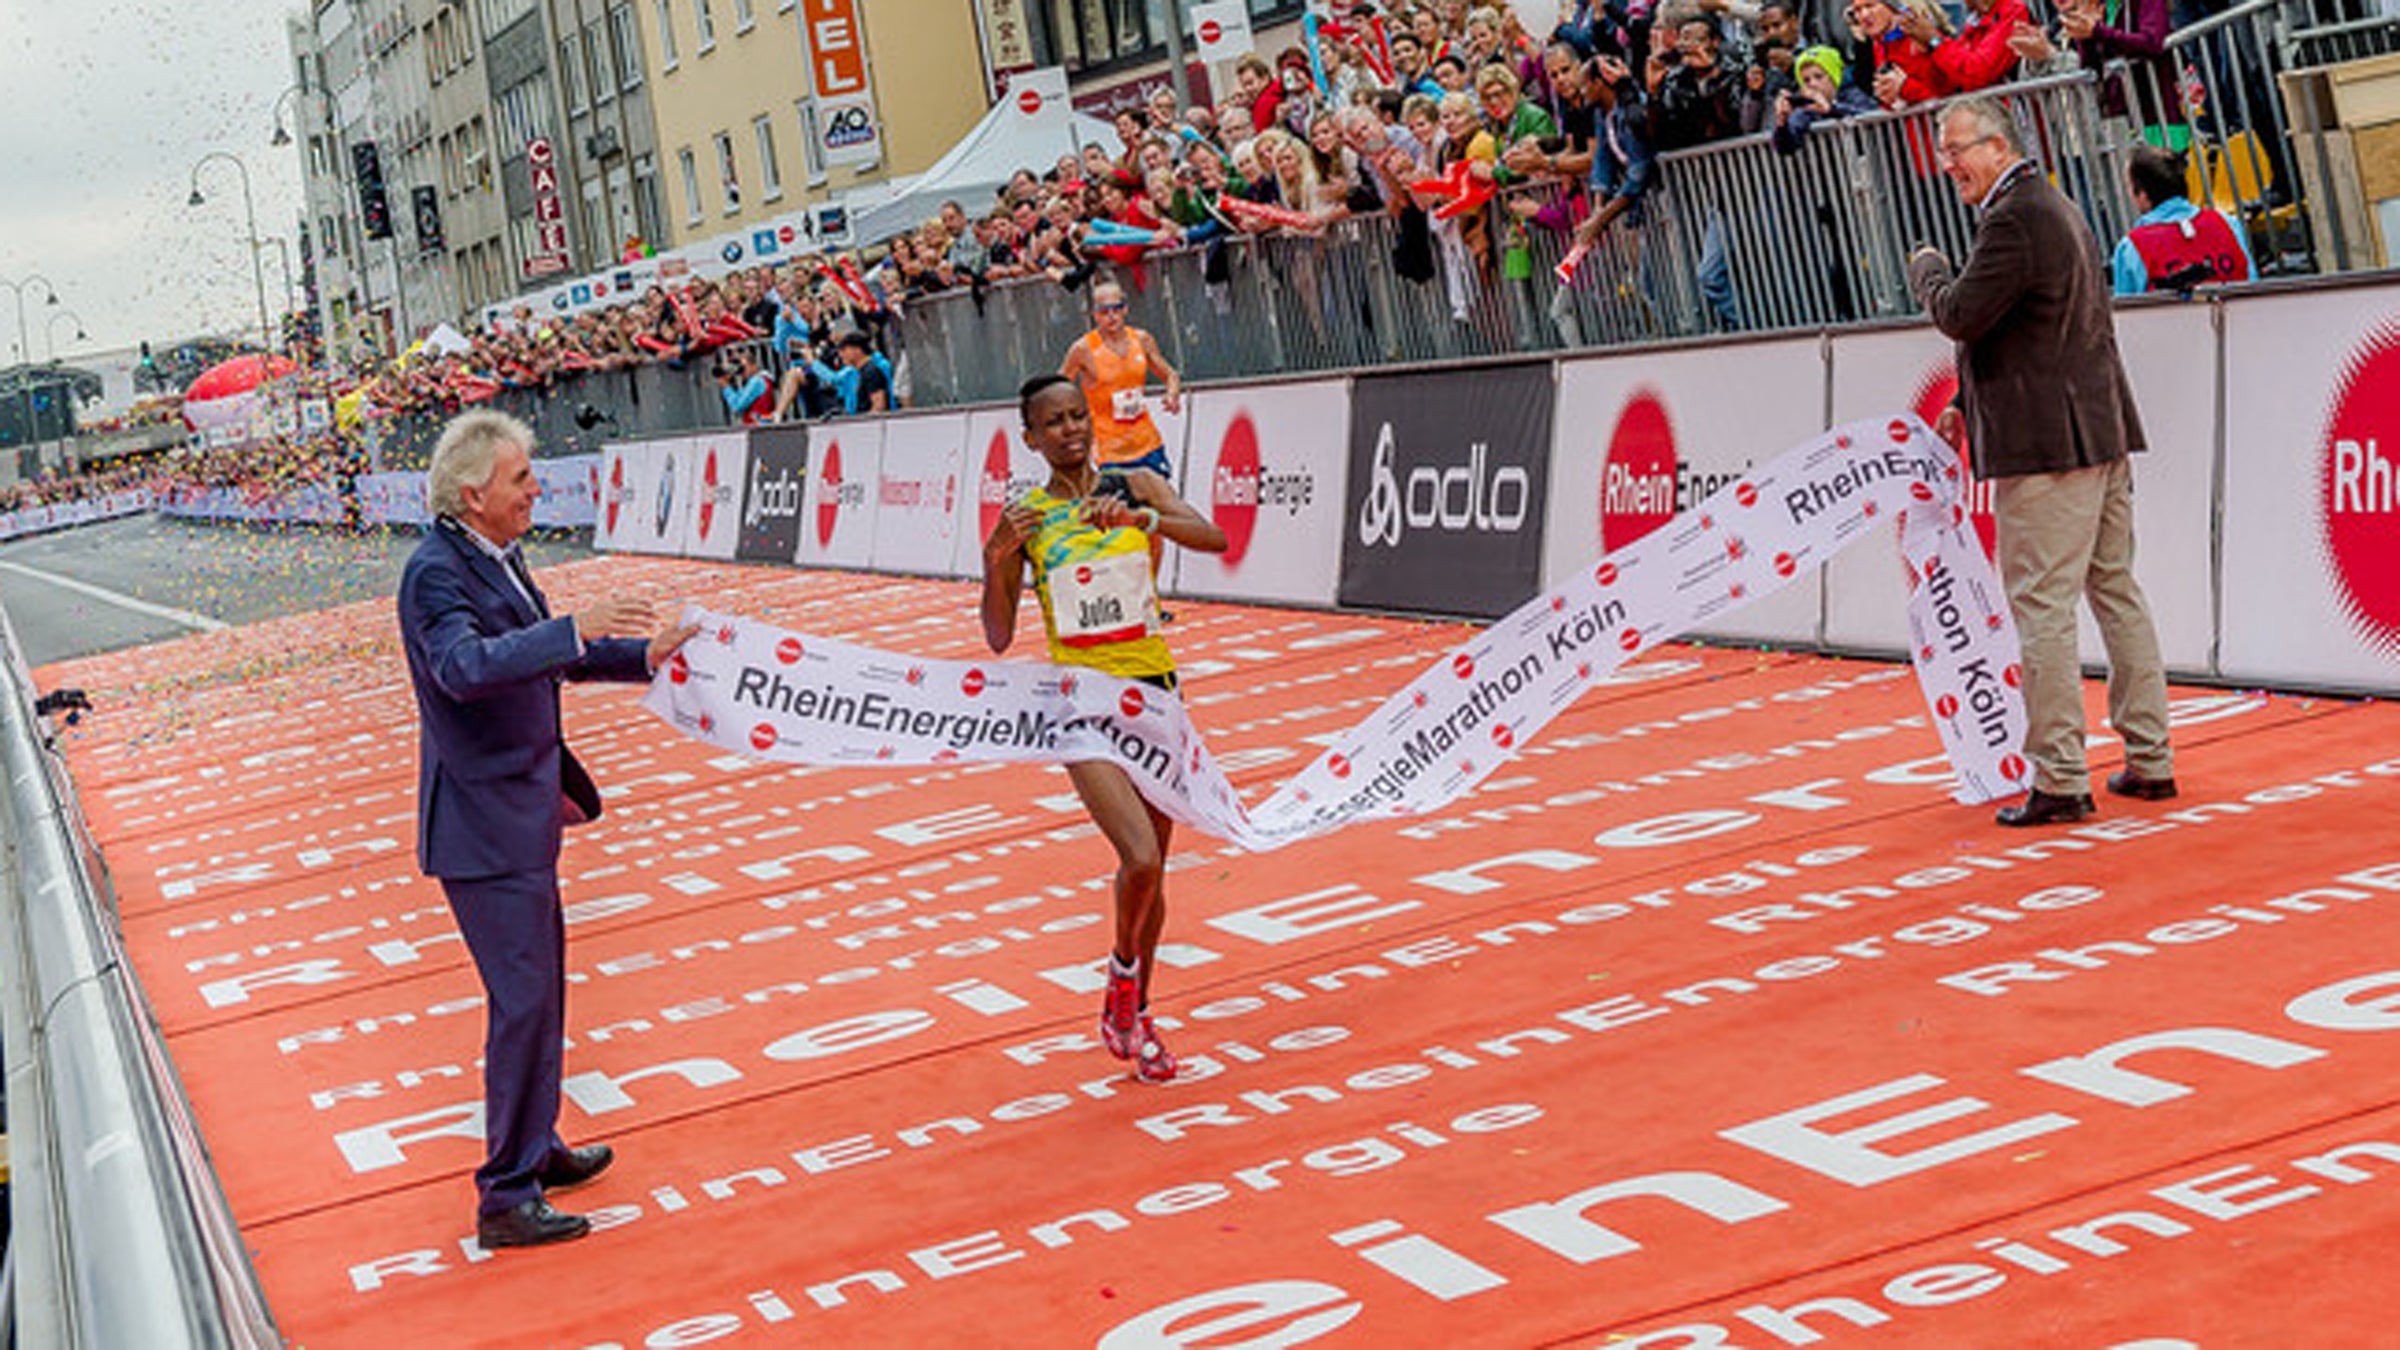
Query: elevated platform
[[1712, 1021]]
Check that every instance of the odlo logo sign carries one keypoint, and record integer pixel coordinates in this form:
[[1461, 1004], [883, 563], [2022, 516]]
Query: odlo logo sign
[[2358, 490], [774, 494], [1454, 498]]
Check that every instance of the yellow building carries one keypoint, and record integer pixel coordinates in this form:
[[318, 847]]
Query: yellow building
[[754, 122]]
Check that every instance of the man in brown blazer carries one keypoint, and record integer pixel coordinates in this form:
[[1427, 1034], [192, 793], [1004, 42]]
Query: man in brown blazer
[[2049, 419]]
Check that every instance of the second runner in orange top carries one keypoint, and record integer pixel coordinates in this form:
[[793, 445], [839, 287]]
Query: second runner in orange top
[[1113, 364]]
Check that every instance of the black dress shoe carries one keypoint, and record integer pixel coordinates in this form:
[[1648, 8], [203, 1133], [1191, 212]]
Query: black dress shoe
[[575, 1166], [2046, 808], [528, 1225], [2127, 783]]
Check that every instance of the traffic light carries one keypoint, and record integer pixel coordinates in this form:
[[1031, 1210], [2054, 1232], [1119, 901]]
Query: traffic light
[[428, 205], [374, 208]]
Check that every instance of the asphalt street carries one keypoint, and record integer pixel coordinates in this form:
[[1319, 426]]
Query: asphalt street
[[125, 583]]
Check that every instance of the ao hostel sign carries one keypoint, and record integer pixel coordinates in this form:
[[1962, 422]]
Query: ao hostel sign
[[847, 131]]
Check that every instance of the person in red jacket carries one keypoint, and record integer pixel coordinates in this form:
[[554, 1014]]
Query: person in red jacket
[[1979, 56], [1905, 72]]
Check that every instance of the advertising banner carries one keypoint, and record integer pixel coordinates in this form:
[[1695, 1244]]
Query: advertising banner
[[641, 484], [720, 462], [1266, 465], [773, 492], [919, 485], [1642, 439], [837, 522], [1447, 489], [397, 497], [2170, 355], [570, 491], [2311, 588], [802, 698], [999, 469], [1221, 30]]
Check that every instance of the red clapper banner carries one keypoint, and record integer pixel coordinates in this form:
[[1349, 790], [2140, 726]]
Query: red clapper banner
[[780, 695]]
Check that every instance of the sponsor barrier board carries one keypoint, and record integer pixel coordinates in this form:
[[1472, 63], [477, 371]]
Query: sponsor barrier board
[[1266, 464], [919, 489], [1642, 439]]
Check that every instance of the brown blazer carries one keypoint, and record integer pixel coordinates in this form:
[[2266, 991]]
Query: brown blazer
[[2038, 371]]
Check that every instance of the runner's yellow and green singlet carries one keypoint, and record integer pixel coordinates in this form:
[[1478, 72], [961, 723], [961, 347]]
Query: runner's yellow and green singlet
[[1099, 603]]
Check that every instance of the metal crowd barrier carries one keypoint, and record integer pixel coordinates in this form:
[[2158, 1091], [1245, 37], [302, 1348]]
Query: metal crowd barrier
[[641, 401], [119, 1235], [2326, 32], [1738, 236]]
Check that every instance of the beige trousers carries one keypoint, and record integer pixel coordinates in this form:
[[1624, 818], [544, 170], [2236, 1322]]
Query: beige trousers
[[2064, 534]]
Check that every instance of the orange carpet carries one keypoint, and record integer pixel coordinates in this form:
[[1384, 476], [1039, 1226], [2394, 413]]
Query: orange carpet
[[1711, 1022]]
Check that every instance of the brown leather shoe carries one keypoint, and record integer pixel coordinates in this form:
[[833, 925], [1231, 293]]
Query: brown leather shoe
[[2046, 808], [2127, 783]]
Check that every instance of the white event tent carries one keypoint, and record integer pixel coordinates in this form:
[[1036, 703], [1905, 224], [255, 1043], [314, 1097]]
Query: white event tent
[[1029, 128]]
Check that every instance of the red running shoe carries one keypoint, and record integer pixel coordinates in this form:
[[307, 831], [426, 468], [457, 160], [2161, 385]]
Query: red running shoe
[[1152, 1061], [1120, 1009]]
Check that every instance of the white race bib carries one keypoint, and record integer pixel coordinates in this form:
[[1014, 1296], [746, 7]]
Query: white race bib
[[1129, 405], [1107, 599]]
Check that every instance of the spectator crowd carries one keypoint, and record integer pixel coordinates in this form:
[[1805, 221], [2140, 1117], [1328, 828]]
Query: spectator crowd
[[1474, 136]]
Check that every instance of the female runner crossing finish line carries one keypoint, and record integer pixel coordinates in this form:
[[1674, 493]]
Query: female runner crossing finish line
[[1090, 553]]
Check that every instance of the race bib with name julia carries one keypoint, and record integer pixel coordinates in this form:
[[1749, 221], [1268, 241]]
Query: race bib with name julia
[[1101, 600]]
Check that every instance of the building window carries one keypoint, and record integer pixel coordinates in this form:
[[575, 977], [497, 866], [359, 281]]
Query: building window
[[744, 17], [666, 34], [596, 68], [691, 185], [812, 151], [570, 75], [629, 47], [1087, 34], [706, 21], [729, 172], [770, 173], [524, 112], [649, 217]]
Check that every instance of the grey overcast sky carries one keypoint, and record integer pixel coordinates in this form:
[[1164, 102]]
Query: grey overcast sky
[[105, 105]]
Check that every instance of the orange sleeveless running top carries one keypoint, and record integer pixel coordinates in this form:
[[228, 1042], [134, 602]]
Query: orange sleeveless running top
[[1121, 425]]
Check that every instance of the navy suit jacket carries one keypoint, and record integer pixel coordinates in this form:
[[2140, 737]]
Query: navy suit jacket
[[495, 781]]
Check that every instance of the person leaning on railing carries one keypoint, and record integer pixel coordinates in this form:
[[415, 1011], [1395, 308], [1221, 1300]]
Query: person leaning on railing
[[1694, 99], [1775, 41], [1979, 55], [1624, 168], [1904, 70], [2104, 32]]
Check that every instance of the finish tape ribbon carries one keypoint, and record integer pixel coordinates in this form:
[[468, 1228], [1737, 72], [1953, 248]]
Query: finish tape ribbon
[[749, 687]]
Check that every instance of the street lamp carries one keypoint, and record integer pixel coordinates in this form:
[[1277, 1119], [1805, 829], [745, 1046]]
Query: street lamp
[[258, 272], [283, 260], [24, 346], [52, 334], [283, 138]]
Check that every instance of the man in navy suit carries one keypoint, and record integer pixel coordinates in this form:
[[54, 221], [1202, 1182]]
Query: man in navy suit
[[496, 786]]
